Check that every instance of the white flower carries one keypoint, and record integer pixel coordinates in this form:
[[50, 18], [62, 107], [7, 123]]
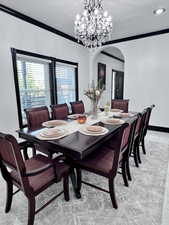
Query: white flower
[[97, 92]]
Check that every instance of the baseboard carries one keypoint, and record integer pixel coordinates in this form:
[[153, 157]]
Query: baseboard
[[161, 129]]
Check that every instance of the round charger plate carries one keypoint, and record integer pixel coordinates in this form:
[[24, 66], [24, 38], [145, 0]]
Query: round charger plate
[[113, 121], [41, 135], [54, 123], [86, 132]]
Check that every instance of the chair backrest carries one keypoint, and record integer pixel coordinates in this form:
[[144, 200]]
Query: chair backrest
[[117, 145], [120, 104], [36, 116], [147, 119], [140, 123], [59, 111], [11, 157], [77, 107], [128, 136]]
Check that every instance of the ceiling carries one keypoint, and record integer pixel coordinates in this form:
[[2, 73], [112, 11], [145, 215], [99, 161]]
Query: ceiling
[[130, 17]]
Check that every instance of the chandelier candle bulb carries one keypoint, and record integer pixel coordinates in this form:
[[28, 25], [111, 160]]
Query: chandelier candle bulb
[[77, 17], [85, 13], [105, 14], [96, 11]]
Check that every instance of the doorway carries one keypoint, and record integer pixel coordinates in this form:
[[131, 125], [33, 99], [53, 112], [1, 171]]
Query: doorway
[[117, 84]]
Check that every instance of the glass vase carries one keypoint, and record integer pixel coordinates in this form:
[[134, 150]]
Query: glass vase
[[94, 110]]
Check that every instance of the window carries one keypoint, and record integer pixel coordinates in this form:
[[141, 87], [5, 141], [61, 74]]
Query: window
[[42, 81], [33, 80], [66, 79]]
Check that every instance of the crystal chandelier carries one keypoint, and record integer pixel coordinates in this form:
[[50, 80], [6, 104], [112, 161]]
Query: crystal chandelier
[[94, 26]]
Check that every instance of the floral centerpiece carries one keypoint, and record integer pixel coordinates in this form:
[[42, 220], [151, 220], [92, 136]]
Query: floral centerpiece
[[94, 94]]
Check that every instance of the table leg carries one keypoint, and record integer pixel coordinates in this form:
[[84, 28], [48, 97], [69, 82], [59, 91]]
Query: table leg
[[73, 177]]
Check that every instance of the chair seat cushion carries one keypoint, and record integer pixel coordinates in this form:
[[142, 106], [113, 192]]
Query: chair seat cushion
[[100, 161], [41, 181]]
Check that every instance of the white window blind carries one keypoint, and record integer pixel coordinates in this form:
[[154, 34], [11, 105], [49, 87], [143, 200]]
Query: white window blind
[[33, 79], [66, 83]]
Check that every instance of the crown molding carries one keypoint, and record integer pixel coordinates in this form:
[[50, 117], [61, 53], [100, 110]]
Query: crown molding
[[139, 36], [112, 56], [37, 23]]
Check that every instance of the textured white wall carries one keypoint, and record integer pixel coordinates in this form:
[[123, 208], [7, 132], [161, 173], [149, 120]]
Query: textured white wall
[[21, 35], [147, 76]]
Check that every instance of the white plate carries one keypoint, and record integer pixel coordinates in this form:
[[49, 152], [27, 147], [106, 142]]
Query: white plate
[[86, 132], [51, 132], [114, 121], [116, 110], [74, 116], [125, 115], [94, 129], [54, 123]]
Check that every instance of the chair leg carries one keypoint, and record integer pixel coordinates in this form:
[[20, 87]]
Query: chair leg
[[79, 179], [9, 196], [135, 155], [138, 154], [112, 193], [74, 183], [124, 173], [66, 187], [31, 210], [128, 170], [143, 146]]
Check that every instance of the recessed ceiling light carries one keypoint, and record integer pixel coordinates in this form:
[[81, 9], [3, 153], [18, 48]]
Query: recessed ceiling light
[[159, 11]]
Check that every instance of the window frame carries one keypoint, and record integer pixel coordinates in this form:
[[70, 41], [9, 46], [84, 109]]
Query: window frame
[[76, 77], [52, 78]]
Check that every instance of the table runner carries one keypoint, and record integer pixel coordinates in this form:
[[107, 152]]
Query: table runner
[[74, 126]]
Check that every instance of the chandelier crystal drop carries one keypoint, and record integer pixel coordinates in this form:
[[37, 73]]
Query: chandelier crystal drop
[[94, 25]]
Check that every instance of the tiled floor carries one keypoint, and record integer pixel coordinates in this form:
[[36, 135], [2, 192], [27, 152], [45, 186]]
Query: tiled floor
[[165, 214], [163, 138]]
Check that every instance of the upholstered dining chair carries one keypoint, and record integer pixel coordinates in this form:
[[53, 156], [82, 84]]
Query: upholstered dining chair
[[77, 107], [122, 104], [32, 176], [59, 111], [128, 143], [137, 137], [35, 118], [145, 128], [127, 146], [105, 162]]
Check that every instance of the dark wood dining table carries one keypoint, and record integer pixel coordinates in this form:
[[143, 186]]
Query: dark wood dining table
[[75, 146]]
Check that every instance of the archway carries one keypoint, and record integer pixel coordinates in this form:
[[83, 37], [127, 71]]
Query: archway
[[113, 60]]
